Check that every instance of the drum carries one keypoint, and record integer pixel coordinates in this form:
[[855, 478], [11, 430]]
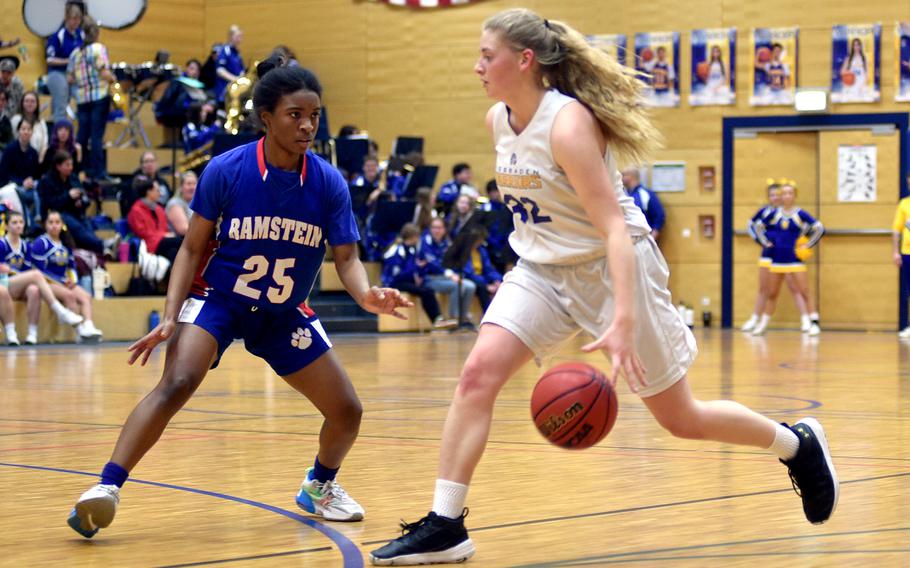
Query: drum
[[125, 74]]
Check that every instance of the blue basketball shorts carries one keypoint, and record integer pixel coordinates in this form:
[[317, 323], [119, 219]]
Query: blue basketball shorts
[[288, 340]]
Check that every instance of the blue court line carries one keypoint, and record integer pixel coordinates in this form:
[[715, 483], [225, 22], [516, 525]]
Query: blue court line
[[350, 553]]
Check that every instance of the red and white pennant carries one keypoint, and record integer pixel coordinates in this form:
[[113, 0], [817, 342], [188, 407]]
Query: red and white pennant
[[426, 3]]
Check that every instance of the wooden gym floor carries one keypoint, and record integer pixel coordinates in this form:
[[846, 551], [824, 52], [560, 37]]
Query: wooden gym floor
[[219, 487]]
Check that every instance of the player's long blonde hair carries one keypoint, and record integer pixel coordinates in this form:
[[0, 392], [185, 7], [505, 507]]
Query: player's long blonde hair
[[613, 92]]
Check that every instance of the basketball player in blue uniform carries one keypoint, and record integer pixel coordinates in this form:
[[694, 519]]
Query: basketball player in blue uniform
[[587, 263], [781, 233], [778, 74], [663, 79], [27, 283], [273, 206]]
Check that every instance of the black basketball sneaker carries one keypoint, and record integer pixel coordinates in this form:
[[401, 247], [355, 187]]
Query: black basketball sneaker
[[431, 540], [812, 471]]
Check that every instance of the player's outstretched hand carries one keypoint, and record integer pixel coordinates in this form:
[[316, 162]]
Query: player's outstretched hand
[[618, 343], [385, 301], [144, 347]]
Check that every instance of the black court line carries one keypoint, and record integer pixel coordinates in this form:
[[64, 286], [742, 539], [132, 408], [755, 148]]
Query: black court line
[[601, 562], [669, 505], [629, 556], [244, 558]]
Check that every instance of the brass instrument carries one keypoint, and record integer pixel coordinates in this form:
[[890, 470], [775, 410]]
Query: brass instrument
[[120, 100], [196, 158], [238, 100]]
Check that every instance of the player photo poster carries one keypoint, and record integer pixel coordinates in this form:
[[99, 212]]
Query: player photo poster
[[902, 58], [856, 58], [713, 67], [774, 79], [657, 55], [613, 44]]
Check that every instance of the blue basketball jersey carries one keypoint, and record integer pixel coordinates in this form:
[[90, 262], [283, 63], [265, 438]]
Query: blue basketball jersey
[[16, 258], [51, 258], [271, 226]]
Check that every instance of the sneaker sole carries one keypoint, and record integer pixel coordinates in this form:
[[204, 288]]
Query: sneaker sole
[[454, 555], [816, 428], [98, 513]]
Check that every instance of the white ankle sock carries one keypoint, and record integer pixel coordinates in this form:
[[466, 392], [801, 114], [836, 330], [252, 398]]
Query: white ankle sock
[[10, 330], [785, 444], [32, 330], [813, 316], [449, 498]]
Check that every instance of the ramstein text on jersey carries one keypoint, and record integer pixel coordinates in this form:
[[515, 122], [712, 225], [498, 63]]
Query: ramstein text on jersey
[[262, 227]]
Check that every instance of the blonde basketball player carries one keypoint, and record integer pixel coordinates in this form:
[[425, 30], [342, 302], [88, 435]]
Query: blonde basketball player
[[566, 112]]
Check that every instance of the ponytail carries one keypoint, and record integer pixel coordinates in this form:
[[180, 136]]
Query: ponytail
[[611, 91]]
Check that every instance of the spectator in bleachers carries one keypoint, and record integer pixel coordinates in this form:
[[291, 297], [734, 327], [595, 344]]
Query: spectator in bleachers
[[461, 214], [499, 224], [11, 83], [59, 48], [396, 179], [148, 167], [148, 220], [6, 127], [286, 55], [26, 283], [425, 211], [61, 191], [646, 200], [459, 184], [365, 192], [401, 269], [178, 207], [28, 109], [90, 71], [200, 128], [228, 63], [480, 269], [61, 139], [433, 246], [192, 69], [19, 166], [52, 254]]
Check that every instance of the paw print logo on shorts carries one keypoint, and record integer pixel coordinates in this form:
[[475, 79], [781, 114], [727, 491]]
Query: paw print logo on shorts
[[302, 338]]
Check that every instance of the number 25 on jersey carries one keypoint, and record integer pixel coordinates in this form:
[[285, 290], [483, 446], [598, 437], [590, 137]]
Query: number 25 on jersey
[[259, 266]]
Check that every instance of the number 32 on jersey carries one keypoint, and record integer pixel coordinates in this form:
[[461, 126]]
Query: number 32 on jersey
[[526, 208]]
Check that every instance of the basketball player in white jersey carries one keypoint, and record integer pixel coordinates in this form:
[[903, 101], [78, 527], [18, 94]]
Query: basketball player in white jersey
[[587, 263]]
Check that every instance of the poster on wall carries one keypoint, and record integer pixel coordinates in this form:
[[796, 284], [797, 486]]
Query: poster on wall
[[856, 173], [713, 65], [856, 61], [613, 44], [657, 55], [774, 77], [902, 58]]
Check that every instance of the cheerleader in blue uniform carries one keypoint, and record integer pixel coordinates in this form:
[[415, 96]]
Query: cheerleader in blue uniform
[[764, 261], [49, 254], [790, 232], [27, 284]]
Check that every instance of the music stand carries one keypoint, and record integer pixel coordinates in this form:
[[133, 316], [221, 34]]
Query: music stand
[[422, 176], [404, 145], [224, 142], [350, 153], [391, 216]]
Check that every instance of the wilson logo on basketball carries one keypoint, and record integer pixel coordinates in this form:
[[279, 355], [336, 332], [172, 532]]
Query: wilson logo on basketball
[[556, 422]]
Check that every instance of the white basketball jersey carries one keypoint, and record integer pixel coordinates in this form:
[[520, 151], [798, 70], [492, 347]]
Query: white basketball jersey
[[551, 226]]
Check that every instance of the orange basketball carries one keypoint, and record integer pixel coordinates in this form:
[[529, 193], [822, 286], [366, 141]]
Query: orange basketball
[[701, 71], [848, 78], [574, 406], [647, 54], [763, 54]]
